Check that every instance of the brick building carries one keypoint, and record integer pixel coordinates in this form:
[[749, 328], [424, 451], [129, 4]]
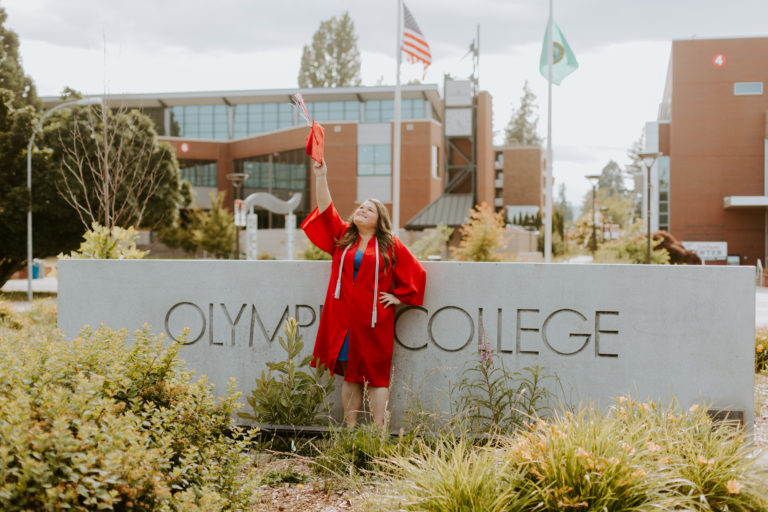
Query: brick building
[[710, 186]]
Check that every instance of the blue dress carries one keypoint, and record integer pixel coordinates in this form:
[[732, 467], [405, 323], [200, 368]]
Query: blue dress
[[344, 352]]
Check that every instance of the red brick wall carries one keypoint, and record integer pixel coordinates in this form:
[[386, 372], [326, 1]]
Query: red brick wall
[[716, 143], [523, 176]]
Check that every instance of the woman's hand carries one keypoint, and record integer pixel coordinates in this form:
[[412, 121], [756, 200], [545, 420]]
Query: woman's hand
[[319, 169], [388, 299]]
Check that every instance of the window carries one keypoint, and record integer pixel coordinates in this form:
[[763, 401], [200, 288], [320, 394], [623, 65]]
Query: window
[[435, 162], [256, 118], [200, 121], [379, 111], [663, 169], [374, 160], [747, 88], [199, 173]]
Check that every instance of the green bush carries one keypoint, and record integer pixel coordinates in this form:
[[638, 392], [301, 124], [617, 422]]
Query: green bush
[[312, 252], [632, 249], [100, 242], [287, 394], [102, 423], [761, 350]]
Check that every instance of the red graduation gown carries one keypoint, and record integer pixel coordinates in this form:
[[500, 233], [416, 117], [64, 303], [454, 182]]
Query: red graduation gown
[[370, 349]]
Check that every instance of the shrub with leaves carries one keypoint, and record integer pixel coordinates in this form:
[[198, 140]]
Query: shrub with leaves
[[483, 236], [632, 249], [312, 252], [491, 398], [761, 350], [287, 394], [100, 422], [103, 243]]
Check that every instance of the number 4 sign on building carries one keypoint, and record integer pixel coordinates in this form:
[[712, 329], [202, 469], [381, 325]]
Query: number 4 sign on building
[[718, 60]]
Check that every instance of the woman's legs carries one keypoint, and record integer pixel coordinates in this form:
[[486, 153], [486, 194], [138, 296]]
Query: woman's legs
[[352, 400], [379, 398]]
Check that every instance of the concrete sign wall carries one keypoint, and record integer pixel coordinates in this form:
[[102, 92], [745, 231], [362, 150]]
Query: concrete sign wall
[[604, 330]]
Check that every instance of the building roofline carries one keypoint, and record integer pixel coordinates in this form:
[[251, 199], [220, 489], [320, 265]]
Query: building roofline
[[429, 92]]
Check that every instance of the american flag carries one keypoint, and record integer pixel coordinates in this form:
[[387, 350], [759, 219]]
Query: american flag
[[414, 44]]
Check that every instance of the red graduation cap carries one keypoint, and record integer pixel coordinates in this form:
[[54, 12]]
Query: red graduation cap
[[316, 137], [316, 142]]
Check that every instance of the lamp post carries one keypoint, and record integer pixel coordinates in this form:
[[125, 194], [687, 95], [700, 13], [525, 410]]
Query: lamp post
[[593, 180], [80, 102], [237, 179], [648, 160]]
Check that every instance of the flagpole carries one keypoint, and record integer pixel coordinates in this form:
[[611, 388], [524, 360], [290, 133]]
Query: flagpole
[[548, 180], [396, 127]]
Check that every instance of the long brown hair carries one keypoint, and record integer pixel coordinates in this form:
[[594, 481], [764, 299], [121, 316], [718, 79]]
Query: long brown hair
[[384, 236]]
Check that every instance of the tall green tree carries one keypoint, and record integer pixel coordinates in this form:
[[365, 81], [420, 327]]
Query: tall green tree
[[55, 225], [612, 180], [612, 201], [332, 60], [522, 127], [12, 75]]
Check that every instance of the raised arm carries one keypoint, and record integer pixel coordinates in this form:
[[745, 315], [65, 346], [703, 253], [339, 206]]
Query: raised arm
[[322, 194]]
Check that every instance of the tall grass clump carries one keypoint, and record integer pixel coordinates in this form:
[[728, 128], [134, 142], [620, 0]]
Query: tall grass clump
[[635, 456], [112, 422]]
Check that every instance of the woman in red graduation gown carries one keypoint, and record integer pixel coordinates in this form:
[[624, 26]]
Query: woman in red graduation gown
[[372, 272]]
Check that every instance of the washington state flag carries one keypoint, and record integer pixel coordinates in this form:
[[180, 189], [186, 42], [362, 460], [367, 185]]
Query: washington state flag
[[563, 60]]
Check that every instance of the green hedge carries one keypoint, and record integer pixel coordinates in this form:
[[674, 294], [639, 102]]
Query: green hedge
[[103, 423]]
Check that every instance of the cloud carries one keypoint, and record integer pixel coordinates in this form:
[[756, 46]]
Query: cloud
[[239, 26]]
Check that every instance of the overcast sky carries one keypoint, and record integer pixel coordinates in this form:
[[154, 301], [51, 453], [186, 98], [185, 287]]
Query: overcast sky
[[622, 46]]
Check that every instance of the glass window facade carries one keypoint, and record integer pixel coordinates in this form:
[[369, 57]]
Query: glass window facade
[[258, 118], [663, 169], [282, 175], [199, 173], [374, 160], [382, 111], [211, 121], [200, 121], [334, 110]]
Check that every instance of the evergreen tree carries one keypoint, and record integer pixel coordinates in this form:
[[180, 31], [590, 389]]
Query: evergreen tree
[[562, 204], [12, 75], [214, 230], [611, 180], [332, 60], [521, 128]]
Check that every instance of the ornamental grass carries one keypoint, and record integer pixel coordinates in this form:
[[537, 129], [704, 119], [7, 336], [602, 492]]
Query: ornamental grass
[[635, 456]]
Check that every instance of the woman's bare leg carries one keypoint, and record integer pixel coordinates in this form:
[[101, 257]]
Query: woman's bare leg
[[352, 400], [379, 398]]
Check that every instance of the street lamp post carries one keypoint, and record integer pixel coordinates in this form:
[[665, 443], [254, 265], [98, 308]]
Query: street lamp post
[[237, 179], [648, 160], [593, 180], [80, 102]]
